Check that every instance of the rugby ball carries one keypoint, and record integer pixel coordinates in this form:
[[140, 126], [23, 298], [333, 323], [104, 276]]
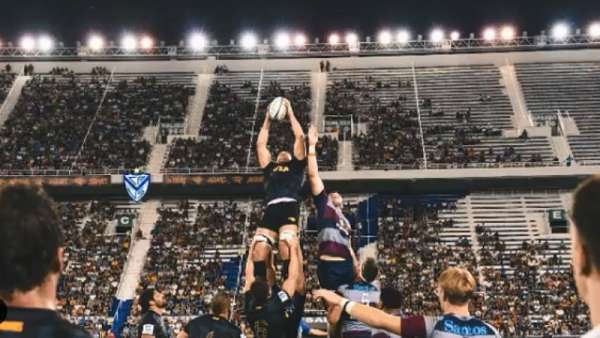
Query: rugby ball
[[277, 109]]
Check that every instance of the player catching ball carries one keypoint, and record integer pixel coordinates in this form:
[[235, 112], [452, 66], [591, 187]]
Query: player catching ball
[[283, 179]]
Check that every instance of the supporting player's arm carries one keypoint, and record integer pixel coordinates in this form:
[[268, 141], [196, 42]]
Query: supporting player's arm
[[299, 148], [289, 286], [316, 183], [182, 334], [371, 316], [262, 152], [249, 270]]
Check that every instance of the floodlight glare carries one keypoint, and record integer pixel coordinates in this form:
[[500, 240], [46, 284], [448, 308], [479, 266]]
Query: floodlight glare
[[594, 30], [507, 33], [403, 36], [334, 39], [146, 42], [300, 40], [384, 37], [489, 34], [249, 41], [437, 35], [455, 35], [129, 42], [45, 43], [560, 31], [95, 43], [282, 40], [198, 41], [27, 43]]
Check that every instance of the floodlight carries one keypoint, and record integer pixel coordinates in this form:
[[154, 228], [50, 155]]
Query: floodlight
[[489, 34], [437, 35], [334, 39], [351, 38], [384, 37], [146, 42], [45, 43], [300, 40], [282, 40], [455, 35], [507, 33], [560, 31], [129, 42], [95, 43], [27, 43], [594, 30], [198, 41], [403, 36], [249, 41]]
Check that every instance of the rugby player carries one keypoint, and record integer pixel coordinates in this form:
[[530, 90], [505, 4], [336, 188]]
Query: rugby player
[[275, 312], [215, 325], [456, 287], [337, 264], [31, 261], [284, 179], [152, 325]]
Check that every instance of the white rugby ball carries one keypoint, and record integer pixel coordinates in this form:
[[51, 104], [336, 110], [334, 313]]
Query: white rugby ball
[[278, 109]]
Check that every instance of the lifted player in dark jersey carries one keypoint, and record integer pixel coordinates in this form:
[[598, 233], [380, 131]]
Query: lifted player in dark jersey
[[214, 325], [337, 264], [31, 259], [275, 312], [284, 179], [153, 303]]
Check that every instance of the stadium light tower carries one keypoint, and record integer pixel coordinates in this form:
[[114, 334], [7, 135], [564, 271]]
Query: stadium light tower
[[560, 31], [489, 34], [27, 43], [197, 41], [334, 39], [300, 40], [455, 35], [384, 37], [507, 33], [45, 43], [249, 41], [129, 43], [403, 36], [282, 40], [437, 35], [146, 42], [95, 43], [594, 30]]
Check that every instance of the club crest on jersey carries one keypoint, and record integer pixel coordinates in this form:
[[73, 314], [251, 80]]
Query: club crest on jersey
[[136, 185]]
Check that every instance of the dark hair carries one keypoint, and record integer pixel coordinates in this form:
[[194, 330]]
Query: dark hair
[[220, 304], [30, 237], [259, 291], [586, 216], [145, 298], [391, 298], [370, 270]]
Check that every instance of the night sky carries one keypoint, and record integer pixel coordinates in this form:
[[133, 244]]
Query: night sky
[[71, 20]]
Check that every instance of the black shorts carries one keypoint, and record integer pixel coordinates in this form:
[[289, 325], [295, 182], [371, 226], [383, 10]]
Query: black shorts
[[280, 214], [333, 274], [293, 323]]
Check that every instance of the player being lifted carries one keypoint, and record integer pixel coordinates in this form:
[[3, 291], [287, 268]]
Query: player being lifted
[[275, 312], [337, 264], [283, 179]]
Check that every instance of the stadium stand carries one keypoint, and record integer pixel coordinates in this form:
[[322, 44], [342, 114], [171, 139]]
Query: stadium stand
[[62, 113], [570, 89], [6, 80]]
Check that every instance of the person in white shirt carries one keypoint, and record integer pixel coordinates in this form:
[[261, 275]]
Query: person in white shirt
[[585, 248]]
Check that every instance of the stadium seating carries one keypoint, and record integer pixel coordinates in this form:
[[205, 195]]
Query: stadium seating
[[89, 122], [462, 110], [571, 88], [6, 80]]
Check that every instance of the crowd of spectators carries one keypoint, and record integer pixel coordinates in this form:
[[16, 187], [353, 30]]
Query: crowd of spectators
[[58, 112], [528, 292], [7, 77], [94, 262]]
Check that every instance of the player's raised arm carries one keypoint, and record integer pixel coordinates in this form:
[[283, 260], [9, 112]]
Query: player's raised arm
[[289, 286], [299, 148], [371, 316], [262, 152], [316, 183]]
